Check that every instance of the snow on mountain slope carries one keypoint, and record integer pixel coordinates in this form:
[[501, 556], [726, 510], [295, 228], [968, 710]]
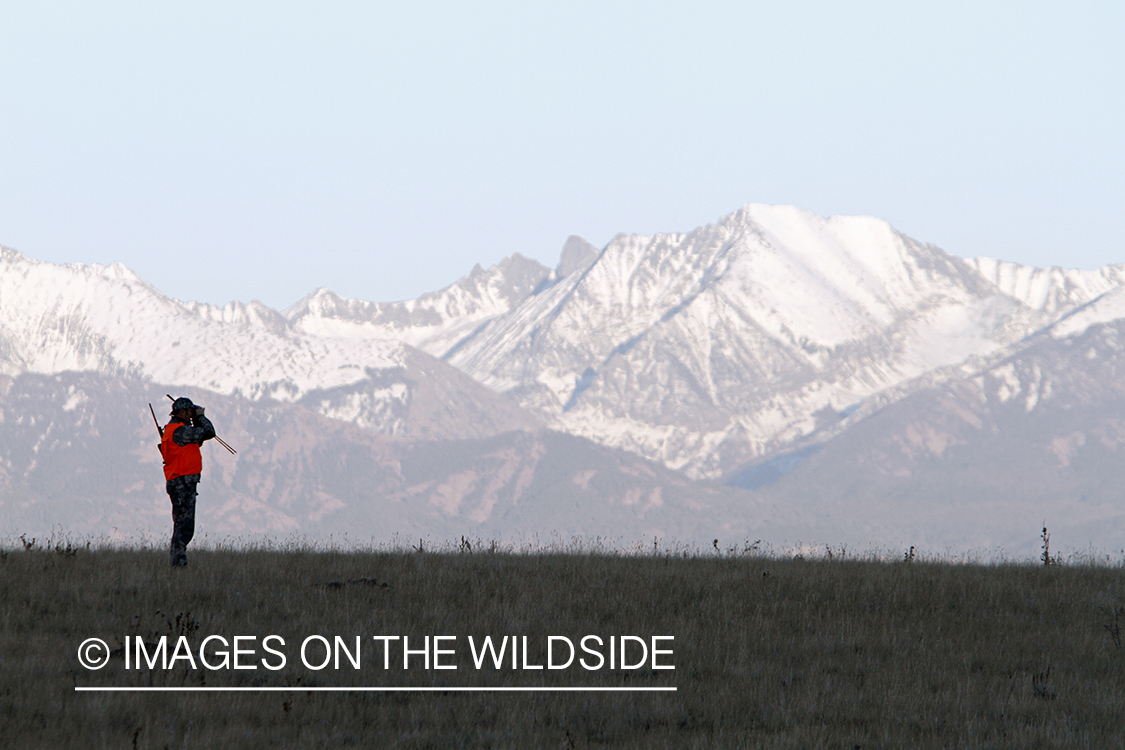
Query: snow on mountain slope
[[705, 350], [434, 322], [1104, 308], [1076, 298], [104, 318], [1052, 290]]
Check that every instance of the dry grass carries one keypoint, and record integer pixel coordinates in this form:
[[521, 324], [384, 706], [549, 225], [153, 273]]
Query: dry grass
[[769, 652]]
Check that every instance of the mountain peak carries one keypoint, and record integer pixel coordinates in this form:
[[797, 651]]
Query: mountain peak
[[705, 349], [576, 254], [318, 300]]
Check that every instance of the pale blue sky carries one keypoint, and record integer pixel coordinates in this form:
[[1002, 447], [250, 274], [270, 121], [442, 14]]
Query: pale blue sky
[[259, 150]]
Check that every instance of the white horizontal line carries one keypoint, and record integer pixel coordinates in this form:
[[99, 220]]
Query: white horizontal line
[[374, 689]]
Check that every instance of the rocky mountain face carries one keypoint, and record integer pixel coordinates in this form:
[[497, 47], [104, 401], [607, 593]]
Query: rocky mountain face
[[775, 351]]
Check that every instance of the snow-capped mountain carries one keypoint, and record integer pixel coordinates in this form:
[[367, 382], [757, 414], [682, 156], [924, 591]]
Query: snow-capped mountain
[[434, 322], [707, 350], [747, 350], [104, 318], [1055, 291], [704, 351], [57, 318]]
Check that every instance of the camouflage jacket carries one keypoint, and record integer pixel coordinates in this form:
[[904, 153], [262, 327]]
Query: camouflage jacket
[[186, 433]]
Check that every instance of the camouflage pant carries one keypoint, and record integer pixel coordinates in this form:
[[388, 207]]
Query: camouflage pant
[[182, 492]]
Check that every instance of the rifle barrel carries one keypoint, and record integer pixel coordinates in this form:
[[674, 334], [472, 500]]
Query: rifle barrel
[[159, 429]]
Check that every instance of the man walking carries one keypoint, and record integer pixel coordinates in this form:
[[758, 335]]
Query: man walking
[[183, 464]]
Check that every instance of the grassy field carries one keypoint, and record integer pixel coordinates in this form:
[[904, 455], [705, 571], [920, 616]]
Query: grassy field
[[768, 652]]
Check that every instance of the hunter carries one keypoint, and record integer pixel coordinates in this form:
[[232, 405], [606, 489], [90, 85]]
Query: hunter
[[183, 464]]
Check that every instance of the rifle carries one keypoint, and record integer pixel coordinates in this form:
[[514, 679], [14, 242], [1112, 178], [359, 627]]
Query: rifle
[[159, 431], [217, 438]]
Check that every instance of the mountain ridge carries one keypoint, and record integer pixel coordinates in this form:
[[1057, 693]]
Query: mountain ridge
[[759, 322], [746, 351]]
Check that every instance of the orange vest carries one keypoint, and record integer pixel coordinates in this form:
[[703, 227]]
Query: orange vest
[[179, 461]]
